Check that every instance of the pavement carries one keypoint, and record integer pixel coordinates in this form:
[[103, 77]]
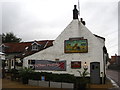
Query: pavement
[[114, 84], [7, 83], [114, 75], [105, 86]]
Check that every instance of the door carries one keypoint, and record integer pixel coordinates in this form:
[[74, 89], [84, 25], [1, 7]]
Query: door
[[95, 72]]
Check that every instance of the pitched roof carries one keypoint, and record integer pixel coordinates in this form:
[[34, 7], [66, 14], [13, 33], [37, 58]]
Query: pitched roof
[[99, 37], [20, 47], [114, 59]]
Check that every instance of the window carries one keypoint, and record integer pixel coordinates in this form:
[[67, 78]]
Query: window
[[32, 67], [31, 64], [34, 47], [93, 67], [6, 62], [31, 61], [12, 63], [76, 64]]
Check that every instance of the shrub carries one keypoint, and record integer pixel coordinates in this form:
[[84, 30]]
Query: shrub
[[25, 74], [14, 74], [81, 84], [52, 77]]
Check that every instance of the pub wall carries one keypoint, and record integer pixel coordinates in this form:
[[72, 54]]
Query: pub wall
[[74, 29]]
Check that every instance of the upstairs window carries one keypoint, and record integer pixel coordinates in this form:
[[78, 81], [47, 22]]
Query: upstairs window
[[34, 47]]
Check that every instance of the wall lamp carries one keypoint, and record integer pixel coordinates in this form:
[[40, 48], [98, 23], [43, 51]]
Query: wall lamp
[[85, 66]]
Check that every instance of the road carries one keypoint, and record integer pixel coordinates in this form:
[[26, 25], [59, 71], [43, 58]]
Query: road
[[115, 75]]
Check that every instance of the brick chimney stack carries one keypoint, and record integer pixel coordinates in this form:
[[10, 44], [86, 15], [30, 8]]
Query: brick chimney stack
[[75, 13]]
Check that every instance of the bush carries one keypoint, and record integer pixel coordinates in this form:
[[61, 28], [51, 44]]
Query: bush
[[25, 74], [83, 80], [67, 78], [14, 74], [52, 77]]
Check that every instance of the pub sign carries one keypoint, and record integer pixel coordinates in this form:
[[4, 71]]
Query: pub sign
[[76, 46], [76, 64], [50, 65]]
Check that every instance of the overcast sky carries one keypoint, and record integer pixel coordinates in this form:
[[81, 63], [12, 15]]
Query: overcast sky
[[46, 19]]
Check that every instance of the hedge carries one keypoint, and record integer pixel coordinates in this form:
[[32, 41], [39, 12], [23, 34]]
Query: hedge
[[53, 77]]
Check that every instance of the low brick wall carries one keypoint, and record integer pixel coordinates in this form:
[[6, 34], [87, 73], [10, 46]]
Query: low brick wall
[[67, 85], [33, 82], [51, 84], [43, 83], [55, 84]]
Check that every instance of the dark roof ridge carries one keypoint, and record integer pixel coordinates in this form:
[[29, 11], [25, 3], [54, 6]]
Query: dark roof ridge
[[99, 37], [36, 41], [28, 41]]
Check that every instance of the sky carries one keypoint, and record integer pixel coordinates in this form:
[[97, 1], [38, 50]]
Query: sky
[[46, 19]]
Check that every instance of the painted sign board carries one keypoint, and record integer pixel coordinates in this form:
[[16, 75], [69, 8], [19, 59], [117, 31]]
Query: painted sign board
[[42, 78], [50, 65], [76, 46], [76, 64]]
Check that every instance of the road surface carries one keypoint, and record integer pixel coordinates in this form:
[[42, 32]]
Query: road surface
[[114, 75]]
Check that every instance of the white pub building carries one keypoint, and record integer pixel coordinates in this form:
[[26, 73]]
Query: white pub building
[[74, 49]]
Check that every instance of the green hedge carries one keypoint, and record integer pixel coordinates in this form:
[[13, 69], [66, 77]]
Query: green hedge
[[53, 77]]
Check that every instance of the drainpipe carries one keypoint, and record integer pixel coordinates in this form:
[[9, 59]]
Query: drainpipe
[[102, 77]]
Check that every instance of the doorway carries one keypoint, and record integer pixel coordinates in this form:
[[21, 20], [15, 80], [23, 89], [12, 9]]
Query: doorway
[[95, 72]]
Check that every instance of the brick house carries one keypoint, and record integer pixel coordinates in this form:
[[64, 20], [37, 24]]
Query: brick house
[[15, 52], [114, 62]]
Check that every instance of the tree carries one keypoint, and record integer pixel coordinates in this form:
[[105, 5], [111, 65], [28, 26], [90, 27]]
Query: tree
[[10, 37]]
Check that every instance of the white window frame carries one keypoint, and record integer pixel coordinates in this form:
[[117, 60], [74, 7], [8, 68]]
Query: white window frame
[[12, 62], [34, 47]]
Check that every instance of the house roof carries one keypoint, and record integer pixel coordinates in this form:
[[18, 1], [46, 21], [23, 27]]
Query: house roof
[[113, 59], [21, 47], [99, 37]]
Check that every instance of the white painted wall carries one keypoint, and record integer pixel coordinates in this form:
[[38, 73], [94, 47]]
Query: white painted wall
[[74, 29], [2, 56]]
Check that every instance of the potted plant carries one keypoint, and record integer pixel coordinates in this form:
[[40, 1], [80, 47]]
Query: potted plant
[[25, 73]]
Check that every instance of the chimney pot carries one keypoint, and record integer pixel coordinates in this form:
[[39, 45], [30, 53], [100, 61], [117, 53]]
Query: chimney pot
[[75, 13], [83, 22]]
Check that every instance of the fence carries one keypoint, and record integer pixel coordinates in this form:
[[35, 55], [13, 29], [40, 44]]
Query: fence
[[51, 84]]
